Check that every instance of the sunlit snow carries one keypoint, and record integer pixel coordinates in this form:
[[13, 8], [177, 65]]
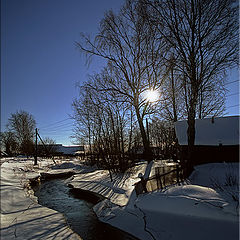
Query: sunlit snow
[[201, 208]]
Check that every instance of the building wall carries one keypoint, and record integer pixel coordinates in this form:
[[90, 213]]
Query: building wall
[[206, 154]]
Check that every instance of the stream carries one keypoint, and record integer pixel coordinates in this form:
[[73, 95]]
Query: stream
[[78, 213]]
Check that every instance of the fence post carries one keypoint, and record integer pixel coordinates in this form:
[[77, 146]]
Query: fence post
[[164, 180], [157, 176], [143, 182], [35, 156], [160, 182], [178, 182]]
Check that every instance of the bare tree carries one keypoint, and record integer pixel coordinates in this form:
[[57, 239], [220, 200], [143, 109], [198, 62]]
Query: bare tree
[[102, 123], [9, 142], [173, 104], [49, 147], [211, 100], [134, 56], [204, 37], [84, 116], [23, 124], [163, 138]]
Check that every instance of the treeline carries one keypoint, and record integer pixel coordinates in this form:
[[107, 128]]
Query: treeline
[[19, 137], [180, 50]]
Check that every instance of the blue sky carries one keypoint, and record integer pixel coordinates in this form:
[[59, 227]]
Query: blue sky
[[40, 64]]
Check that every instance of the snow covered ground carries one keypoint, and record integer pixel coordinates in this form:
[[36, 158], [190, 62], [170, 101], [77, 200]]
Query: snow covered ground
[[205, 207], [21, 216], [191, 211]]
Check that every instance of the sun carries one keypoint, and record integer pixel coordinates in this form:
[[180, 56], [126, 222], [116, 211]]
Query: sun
[[151, 95]]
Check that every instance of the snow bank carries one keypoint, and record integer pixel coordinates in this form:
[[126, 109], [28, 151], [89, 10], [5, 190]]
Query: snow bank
[[189, 200], [118, 191], [21, 216], [167, 225], [199, 210], [193, 211], [182, 212], [211, 173]]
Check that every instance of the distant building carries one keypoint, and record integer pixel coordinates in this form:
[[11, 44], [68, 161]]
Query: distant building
[[69, 150], [59, 149], [216, 139]]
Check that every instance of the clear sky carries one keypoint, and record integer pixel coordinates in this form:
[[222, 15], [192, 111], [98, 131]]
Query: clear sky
[[39, 61], [40, 64]]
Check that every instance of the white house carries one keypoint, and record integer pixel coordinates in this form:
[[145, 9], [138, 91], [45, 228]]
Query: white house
[[211, 131], [216, 139]]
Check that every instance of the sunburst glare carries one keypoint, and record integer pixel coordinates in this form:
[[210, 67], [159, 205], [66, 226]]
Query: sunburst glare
[[151, 95]]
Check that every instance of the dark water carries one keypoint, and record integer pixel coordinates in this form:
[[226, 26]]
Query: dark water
[[79, 214]]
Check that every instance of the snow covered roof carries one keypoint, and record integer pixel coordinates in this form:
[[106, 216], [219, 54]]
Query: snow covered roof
[[66, 150], [69, 150], [220, 130]]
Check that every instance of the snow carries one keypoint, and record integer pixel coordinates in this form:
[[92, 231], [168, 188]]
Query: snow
[[202, 208], [207, 174], [193, 211], [21, 216], [98, 181], [194, 200], [224, 130]]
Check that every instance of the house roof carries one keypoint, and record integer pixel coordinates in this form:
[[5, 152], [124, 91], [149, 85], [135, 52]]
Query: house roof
[[66, 150], [219, 130], [69, 150]]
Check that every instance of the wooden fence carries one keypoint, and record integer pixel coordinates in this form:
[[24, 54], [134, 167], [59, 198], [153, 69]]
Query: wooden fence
[[164, 176]]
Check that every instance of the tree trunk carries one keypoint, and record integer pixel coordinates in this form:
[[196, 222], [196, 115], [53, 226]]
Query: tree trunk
[[173, 96], [147, 154], [191, 139], [130, 134]]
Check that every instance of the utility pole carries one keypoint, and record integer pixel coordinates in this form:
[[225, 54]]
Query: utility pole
[[35, 157], [44, 145]]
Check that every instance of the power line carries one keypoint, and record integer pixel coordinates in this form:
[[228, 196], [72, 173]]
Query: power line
[[233, 106], [57, 131], [60, 136], [56, 122], [232, 94], [231, 82], [57, 127]]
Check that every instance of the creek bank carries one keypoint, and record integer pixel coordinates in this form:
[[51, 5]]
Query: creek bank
[[47, 176], [86, 195], [21, 216], [76, 192], [79, 214]]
